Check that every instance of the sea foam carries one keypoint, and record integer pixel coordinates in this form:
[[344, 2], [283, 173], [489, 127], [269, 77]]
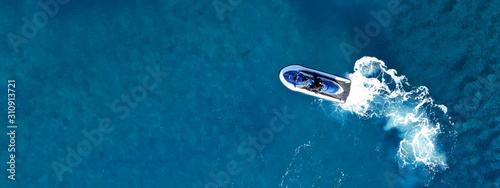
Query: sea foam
[[378, 92]]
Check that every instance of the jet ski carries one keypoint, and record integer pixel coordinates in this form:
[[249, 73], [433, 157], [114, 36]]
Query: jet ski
[[316, 83]]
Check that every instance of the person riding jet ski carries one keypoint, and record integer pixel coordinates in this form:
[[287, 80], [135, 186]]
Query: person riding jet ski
[[315, 83]]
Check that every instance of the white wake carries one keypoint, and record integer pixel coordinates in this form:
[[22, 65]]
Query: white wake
[[378, 92]]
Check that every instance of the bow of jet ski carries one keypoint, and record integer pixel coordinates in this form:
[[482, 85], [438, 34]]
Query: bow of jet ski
[[329, 87]]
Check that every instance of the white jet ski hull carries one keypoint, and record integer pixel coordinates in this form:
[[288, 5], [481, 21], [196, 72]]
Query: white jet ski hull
[[343, 84]]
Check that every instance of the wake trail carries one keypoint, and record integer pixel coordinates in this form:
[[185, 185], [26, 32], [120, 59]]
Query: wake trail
[[378, 92]]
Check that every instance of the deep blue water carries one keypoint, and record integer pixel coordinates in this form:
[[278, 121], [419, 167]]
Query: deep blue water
[[177, 94]]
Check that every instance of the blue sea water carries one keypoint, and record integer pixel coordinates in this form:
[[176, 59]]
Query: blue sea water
[[179, 94]]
